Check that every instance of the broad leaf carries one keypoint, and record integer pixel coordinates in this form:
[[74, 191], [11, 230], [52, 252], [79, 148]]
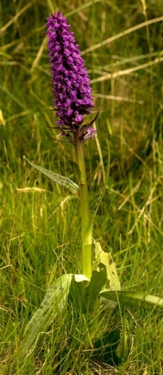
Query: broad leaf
[[97, 282], [77, 295], [106, 259], [59, 179], [86, 296], [54, 301], [132, 298]]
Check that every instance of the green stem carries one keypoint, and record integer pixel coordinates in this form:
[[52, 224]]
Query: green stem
[[85, 212]]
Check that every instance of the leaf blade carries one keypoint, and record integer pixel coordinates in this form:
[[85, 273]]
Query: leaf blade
[[106, 259], [54, 301], [59, 179], [132, 297]]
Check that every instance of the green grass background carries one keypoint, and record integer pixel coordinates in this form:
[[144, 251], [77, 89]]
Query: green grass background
[[40, 226]]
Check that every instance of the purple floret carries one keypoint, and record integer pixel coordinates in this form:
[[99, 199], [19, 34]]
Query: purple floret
[[71, 85]]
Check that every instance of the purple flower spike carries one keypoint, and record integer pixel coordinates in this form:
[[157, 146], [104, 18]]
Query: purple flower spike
[[71, 85]]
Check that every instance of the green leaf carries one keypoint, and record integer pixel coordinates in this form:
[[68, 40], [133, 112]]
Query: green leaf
[[97, 282], [132, 298], [53, 303], [59, 179], [77, 295], [106, 259], [86, 296]]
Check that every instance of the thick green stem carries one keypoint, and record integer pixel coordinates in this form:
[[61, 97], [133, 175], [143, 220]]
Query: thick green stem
[[85, 212]]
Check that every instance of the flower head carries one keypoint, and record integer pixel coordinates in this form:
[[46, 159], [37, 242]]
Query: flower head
[[71, 85]]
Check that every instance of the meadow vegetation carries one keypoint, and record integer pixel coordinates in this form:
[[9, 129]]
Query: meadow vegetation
[[121, 43]]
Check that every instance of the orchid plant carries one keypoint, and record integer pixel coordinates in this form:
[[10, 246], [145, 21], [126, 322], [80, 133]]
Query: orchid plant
[[73, 103]]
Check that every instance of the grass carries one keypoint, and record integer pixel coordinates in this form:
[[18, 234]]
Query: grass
[[40, 230]]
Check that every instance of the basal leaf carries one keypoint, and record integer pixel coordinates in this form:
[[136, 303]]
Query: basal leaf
[[97, 282], [86, 296], [77, 295], [106, 259], [54, 301], [132, 298]]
